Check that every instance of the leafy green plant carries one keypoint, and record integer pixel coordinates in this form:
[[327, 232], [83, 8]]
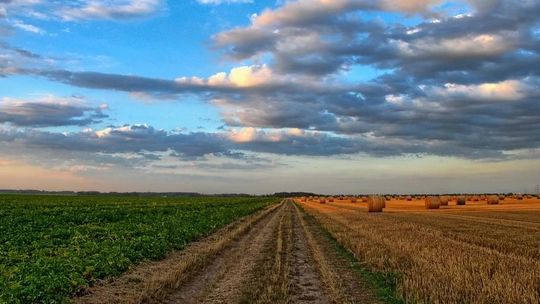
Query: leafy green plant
[[53, 246]]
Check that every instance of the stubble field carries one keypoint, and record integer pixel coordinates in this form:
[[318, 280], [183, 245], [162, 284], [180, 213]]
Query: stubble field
[[476, 253]]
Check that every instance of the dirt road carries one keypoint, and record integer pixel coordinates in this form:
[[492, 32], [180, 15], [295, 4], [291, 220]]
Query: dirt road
[[275, 256]]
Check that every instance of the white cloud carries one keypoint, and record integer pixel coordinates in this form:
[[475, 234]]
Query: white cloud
[[242, 77], [508, 90], [27, 27], [470, 45], [249, 134], [116, 9]]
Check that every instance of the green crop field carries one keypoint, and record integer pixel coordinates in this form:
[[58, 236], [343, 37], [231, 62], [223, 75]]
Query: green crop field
[[53, 246]]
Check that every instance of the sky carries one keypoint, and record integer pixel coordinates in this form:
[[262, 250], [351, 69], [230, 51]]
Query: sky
[[262, 96]]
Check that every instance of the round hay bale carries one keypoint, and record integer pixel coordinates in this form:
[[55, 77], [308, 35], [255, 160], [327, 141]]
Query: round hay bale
[[493, 200], [444, 200], [409, 198], [376, 203], [519, 198], [353, 199], [331, 199], [432, 202], [364, 199], [502, 197], [460, 201], [322, 201]]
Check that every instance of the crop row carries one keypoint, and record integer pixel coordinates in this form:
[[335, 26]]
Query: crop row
[[52, 247]]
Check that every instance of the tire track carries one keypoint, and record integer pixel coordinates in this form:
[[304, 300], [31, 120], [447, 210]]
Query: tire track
[[275, 256], [306, 277], [225, 278]]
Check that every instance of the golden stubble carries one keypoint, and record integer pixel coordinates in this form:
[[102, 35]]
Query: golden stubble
[[476, 253]]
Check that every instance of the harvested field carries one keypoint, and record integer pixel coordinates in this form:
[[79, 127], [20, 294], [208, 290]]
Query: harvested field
[[477, 253]]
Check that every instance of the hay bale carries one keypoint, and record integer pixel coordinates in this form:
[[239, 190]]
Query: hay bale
[[432, 202], [493, 200], [364, 199], [331, 199], [353, 199], [460, 201], [409, 198], [322, 201], [376, 203], [444, 200]]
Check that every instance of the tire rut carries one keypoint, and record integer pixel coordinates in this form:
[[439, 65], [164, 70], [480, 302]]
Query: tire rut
[[307, 285], [224, 279]]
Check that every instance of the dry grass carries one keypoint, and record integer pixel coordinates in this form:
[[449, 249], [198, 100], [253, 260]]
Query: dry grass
[[477, 253], [271, 284]]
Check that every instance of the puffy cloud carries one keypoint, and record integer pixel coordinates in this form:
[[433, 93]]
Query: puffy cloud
[[246, 135], [249, 76], [50, 111], [464, 85], [122, 139], [321, 38], [508, 90], [243, 76], [462, 47], [143, 143]]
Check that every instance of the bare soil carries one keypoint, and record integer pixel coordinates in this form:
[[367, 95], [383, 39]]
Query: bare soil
[[274, 256]]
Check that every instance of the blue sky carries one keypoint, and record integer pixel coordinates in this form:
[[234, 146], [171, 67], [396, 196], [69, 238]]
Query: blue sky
[[350, 96]]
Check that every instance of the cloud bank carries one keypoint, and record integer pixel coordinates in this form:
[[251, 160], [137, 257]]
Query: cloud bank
[[455, 84]]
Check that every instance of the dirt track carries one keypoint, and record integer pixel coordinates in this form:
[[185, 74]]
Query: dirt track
[[276, 256]]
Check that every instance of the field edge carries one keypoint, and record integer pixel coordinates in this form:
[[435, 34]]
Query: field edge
[[384, 283]]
